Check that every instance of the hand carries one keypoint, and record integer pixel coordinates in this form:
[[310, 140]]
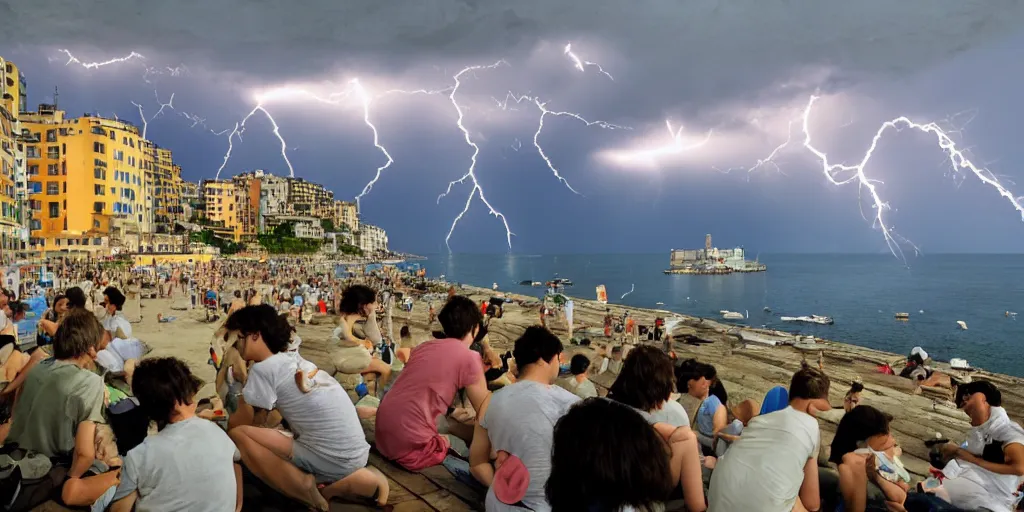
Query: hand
[[870, 466]]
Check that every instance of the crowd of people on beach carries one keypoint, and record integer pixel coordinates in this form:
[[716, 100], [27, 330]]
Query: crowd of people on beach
[[88, 420]]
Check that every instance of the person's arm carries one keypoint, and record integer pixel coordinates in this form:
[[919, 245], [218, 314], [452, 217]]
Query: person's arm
[[719, 423], [478, 393], [85, 449], [48, 326], [480, 449], [126, 504], [810, 495], [1013, 454]]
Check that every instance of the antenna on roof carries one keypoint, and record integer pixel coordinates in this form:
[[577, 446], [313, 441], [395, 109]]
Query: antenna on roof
[[56, 95]]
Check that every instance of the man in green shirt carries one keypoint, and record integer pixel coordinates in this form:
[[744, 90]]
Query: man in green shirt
[[61, 402]]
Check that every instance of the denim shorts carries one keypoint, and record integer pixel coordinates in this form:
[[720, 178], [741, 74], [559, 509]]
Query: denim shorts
[[323, 469]]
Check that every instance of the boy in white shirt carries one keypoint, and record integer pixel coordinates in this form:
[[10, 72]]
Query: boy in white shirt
[[328, 445], [773, 466]]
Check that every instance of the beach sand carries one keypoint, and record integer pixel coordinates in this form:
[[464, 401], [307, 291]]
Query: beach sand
[[748, 371]]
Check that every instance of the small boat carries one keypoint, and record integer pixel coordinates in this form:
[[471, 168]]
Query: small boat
[[962, 324], [659, 303], [559, 281], [731, 315], [902, 316], [767, 309], [813, 319]]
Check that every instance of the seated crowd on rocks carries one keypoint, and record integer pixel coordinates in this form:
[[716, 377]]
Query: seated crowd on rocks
[[530, 427]]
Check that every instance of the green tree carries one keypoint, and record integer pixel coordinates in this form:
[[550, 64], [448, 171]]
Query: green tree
[[328, 225]]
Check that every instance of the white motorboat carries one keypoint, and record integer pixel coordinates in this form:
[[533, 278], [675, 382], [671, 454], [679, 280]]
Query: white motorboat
[[813, 319], [731, 315]]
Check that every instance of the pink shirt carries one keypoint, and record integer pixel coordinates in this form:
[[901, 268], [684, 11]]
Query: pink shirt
[[407, 417]]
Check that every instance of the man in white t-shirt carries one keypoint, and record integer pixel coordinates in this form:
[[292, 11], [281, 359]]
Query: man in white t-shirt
[[774, 462], [519, 421], [986, 473], [328, 443]]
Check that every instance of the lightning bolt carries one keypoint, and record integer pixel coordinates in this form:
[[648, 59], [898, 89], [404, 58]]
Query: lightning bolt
[[581, 64], [544, 112], [240, 129], [631, 288], [471, 172], [770, 159], [94, 65], [365, 100], [142, 116], [956, 156], [677, 145]]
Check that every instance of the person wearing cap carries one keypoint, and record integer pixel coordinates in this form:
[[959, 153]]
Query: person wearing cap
[[115, 322], [985, 472], [518, 422]]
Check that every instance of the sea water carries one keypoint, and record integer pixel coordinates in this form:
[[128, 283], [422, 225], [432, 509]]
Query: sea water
[[861, 292]]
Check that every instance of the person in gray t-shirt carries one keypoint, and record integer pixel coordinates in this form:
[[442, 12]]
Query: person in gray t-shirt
[[190, 464], [520, 420]]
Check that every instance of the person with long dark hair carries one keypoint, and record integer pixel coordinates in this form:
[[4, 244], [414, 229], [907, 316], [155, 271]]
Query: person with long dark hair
[[867, 457], [605, 457], [646, 383]]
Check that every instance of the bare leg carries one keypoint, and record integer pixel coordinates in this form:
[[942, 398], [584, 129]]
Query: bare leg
[[366, 413], [461, 430], [365, 482], [382, 370], [268, 455], [853, 482]]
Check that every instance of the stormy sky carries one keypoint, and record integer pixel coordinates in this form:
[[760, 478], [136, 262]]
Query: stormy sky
[[738, 74]]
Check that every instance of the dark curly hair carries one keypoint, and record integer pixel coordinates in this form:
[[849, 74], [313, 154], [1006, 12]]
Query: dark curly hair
[[160, 384], [605, 456], [646, 380], [459, 316], [354, 298], [263, 320], [536, 343]]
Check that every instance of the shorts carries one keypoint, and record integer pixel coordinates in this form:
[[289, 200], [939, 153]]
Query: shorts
[[323, 469], [351, 360]]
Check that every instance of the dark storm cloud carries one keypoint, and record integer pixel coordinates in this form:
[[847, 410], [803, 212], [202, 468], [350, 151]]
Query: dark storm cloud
[[693, 52]]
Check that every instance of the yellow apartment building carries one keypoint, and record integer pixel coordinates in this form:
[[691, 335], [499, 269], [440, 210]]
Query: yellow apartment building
[[86, 176], [222, 207], [346, 213], [165, 183], [12, 101]]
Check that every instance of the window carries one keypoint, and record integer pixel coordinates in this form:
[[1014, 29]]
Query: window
[[98, 147], [97, 241], [52, 170], [32, 152], [35, 204], [52, 188], [53, 152], [100, 174], [64, 187], [36, 224], [119, 155], [33, 170], [98, 206], [124, 140], [51, 135], [54, 210]]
